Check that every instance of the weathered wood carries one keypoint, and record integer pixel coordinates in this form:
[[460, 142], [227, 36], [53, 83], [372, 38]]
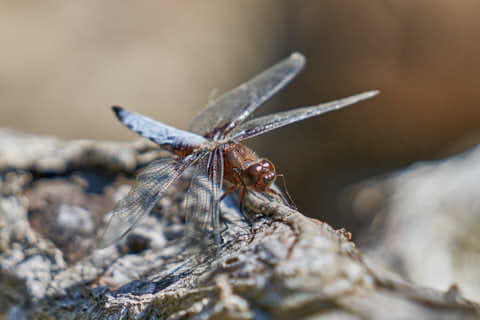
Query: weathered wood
[[288, 266], [426, 222]]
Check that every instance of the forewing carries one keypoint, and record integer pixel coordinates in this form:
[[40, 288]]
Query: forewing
[[235, 106], [264, 124], [160, 133], [150, 186]]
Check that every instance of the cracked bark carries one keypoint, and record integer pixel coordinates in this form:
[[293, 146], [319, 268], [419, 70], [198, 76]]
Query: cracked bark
[[53, 198]]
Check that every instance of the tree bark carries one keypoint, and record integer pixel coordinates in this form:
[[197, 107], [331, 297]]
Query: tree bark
[[54, 196]]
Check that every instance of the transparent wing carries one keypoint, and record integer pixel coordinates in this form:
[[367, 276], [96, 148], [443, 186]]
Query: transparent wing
[[267, 123], [198, 203], [235, 106], [149, 188], [202, 200], [160, 133], [215, 173]]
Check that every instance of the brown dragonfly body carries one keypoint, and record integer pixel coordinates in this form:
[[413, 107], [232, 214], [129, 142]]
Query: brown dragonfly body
[[244, 170], [212, 148]]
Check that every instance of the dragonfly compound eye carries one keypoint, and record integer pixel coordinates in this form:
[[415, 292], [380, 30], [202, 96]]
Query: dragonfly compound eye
[[268, 172], [253, 174], [260, 175]]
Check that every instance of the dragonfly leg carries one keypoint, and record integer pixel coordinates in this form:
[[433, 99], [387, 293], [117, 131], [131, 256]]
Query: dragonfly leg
[[281, 196], [229, 190], [242, 208], [288, 199]]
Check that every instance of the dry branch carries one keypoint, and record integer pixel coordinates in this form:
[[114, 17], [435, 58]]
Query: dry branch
[[289, 267]]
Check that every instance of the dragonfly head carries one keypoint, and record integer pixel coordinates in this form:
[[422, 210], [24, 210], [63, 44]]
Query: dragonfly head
[[260, 175]]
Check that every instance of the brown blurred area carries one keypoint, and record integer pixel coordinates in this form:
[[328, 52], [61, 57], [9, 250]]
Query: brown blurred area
[[63, 64]]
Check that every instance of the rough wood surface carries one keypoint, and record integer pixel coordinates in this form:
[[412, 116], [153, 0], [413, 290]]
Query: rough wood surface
[[54, 196], [426, 222]]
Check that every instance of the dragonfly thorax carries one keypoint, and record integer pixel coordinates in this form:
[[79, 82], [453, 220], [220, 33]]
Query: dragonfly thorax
[[243, 168]]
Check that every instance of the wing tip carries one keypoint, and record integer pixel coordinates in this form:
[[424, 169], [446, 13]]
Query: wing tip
[[360, 97], [348, 101], [372, 93], [101, 241], [298, 58], [118, 111]]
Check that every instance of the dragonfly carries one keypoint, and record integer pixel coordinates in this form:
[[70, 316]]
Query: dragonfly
[[213, 148]]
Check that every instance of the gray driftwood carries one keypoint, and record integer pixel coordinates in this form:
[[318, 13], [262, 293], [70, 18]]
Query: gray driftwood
[[53, 198], [426, 222]]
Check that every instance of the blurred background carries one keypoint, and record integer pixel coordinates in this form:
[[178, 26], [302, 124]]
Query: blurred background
[[64, 63]]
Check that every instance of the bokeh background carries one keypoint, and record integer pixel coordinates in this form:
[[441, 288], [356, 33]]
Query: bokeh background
[[64, 63]]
